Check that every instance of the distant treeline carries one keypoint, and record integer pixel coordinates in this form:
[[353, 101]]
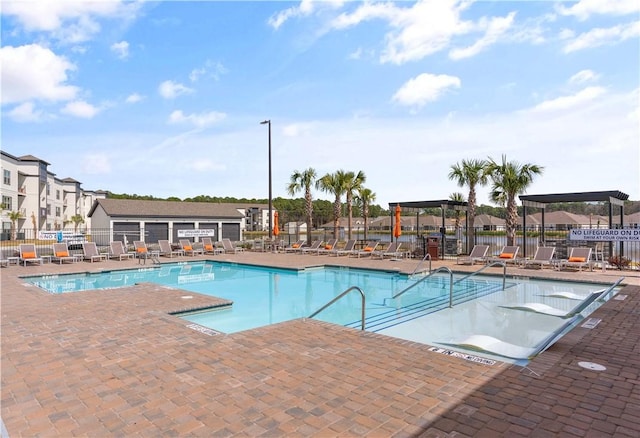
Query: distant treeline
[[323, 210]]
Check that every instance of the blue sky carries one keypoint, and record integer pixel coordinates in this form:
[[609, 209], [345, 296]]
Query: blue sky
[[165, 98]]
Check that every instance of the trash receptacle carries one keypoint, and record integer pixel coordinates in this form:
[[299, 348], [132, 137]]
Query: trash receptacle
[[433, 246]]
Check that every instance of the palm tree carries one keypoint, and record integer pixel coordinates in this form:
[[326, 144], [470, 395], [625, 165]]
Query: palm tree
[[14, 216], [457, 197], [470, 173], [364, 199], [303, 181], [353, 183], [77, 220], [509, 180], [334, 183]]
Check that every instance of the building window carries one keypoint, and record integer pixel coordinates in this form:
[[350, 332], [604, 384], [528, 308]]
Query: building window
[[48, 189], [6, 176], [57, 211], [58, 194], [48, 209], [6, 203]]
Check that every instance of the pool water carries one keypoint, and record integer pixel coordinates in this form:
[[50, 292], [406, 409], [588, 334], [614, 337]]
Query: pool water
[[263, 296]]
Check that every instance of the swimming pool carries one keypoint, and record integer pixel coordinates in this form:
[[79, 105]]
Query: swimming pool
[[263, 296]]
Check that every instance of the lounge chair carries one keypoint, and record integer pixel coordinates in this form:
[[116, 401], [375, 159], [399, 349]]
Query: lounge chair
[[392, 250], [548, 310], [189, 248], [509, 254], [167, 251], [295, 246], [367, 250], [313, 248], [209, 247], [118, 251], [229, 247], [90, 252], [578, 258], [328, 247], [348, 248], [542, 257], [61, 253], [477, 254], [143, 253], [489, 344], [28, 254]]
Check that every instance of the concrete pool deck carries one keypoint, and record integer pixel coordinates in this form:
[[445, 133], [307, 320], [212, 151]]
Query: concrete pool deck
[[116, 363]]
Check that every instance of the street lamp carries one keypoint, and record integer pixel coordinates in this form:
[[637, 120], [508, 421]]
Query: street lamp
[[268, 122]]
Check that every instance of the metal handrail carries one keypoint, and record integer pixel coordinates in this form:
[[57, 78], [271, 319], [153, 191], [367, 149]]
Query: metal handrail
[[340, 296], [610, 289], [426, 256], [498, 263], [440, 269]]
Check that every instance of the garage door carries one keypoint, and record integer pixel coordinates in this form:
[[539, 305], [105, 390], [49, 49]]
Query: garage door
[[182, 226], [231, 231], [156, 231], [129, 229]]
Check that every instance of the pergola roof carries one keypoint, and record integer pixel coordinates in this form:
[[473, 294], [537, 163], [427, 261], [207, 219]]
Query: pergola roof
[[609, 196], [428, 204]]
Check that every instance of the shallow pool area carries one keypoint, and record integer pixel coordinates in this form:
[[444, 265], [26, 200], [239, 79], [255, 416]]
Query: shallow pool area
[[425, 310]]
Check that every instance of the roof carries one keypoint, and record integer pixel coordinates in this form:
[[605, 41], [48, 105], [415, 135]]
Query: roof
[[177, 209], [428, 204], [576, 197]]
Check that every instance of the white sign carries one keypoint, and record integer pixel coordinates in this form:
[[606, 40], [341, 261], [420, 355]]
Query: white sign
[[622, 235], [61, 236], [197, 233]]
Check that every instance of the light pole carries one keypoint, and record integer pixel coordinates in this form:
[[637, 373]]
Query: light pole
[[268, 122]]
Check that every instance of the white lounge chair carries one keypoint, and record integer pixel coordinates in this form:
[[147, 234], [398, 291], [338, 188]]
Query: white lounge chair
[[167, 250], [328, 247], [313, 248], [477, 254], [367, 250], [90, 252], [295, 246], [188, 248], [209, 247], [509, 254], [28, 254], [349, 248], [489, 344], [61, 253], [118, 251], [578, 258], [543, 256], [229, 247], [392, 250], [548, 310]]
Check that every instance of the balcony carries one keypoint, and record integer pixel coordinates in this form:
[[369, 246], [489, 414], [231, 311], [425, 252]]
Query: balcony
[[22, 191]]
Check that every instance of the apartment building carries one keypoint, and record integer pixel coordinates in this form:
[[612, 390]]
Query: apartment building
[[44, 201]]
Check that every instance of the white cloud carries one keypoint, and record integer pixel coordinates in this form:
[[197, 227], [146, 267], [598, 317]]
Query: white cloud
[[297, 129], [495, 29], [566, 102], [425, 88], [206, 165], [211, 69], [134, 98], [198, 120], [585, 8], [96, 164], [171, 90], [583, 76], [603, 36], [33, 72], [121, 49], [25, 113], [69, 21], [306, 8], [80, 108]]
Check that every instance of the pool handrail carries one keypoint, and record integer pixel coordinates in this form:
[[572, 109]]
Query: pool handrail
[[608, 290], [440, 269], [426, 256], [497, 263], [340, 296]]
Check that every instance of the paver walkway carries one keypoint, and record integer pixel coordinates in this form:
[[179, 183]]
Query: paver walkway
[[115, 363]]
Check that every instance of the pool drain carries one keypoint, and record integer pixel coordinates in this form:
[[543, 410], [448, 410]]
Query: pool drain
[[592, 366]]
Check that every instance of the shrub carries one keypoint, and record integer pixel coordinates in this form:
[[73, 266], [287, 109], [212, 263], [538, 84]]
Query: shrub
[[619, 262]]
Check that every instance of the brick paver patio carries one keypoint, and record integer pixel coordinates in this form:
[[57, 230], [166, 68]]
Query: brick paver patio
[[115, 363]]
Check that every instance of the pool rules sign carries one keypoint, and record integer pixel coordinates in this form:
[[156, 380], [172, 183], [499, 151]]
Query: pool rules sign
[[623, 235]]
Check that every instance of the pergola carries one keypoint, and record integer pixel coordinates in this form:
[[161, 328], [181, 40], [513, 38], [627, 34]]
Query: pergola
[[613, 197], [443, 205]]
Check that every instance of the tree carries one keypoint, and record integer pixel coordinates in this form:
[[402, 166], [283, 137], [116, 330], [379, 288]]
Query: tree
[[334, 183], [509, 180], [14, 216], [457, 214], [364, 199], [303, 181], [353, 182], [77, 220], [470, 173]]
